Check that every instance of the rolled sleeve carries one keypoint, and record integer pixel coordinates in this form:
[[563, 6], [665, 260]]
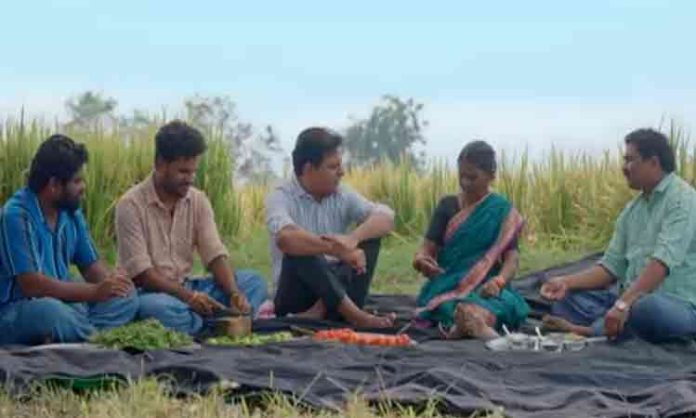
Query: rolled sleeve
[[676, 234], [133, 255], [277, 213], [359, 208], [208, 241], [85, 251], [614, 259], [17, 243]]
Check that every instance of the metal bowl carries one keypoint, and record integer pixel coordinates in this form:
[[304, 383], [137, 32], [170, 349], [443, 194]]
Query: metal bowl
[[233, 326], [551, 345], [519, 341], [574, 345]]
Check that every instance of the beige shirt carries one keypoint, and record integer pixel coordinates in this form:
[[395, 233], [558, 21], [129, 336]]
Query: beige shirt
[[149, 235]]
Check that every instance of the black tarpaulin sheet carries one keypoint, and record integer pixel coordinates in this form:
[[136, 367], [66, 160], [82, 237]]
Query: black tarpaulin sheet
[[631, 379]]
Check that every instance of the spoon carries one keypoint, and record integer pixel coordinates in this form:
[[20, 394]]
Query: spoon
[[538, 333]]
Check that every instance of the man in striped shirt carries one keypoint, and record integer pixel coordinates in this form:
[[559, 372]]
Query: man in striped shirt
[[322, 270], [43, 232]]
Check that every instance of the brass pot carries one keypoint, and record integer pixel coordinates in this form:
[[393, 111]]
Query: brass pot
[[233, 326]]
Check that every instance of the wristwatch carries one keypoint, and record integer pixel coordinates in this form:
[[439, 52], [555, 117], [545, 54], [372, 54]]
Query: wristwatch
[[621, 305]]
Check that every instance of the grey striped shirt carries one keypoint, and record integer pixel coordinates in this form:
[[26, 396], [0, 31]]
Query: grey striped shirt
[[290, 204]]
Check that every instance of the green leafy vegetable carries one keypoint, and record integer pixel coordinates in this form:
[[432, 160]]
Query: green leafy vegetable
[[142, 335]]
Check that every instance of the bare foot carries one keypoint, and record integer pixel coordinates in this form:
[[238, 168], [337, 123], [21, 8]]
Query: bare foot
[[456, 332], [469, 322], [317, 311], [361, 319], [308, 314], [475, 326], [556, 323], [374, 321]]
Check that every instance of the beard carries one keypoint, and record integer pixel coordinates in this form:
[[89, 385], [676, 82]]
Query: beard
[[71, 204], [177, 189]]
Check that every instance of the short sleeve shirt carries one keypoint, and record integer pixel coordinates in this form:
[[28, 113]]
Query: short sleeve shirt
[[290, 204], [29, 245], [150, 235]]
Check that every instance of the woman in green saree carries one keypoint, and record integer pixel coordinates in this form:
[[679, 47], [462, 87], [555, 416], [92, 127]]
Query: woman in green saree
[[469, 255]]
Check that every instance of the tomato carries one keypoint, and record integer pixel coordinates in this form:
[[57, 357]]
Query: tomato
[[404, 339]]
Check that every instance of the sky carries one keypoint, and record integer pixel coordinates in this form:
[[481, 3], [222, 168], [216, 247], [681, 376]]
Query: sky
[[520, 74]]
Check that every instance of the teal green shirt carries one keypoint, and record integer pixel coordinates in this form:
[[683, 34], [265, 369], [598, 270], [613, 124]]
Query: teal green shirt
[[660, 226]]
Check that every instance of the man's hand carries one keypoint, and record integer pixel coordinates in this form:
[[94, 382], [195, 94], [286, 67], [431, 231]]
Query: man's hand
[[203, 304], [121, 275], [555, 288], [427, 265], [239, 302], [114, 286], [355, 259], [345, 247], [341, 244], [614, 322]]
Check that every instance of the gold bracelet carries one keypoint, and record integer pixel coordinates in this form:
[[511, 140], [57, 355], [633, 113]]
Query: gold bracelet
[[500, 282]]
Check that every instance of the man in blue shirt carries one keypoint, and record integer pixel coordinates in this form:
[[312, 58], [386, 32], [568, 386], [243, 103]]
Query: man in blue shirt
[[42, 232]]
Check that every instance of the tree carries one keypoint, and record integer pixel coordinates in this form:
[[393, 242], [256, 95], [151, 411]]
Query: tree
[[91, 109], [391, 131], [252, 153], [139, 119]]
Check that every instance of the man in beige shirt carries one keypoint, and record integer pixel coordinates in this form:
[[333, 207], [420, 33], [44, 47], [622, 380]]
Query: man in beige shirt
[[161, 222]]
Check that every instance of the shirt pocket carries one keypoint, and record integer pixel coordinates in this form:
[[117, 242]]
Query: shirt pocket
[[183, 237]]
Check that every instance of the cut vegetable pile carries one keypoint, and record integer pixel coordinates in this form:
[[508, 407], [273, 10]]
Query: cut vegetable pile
[[348, 336], [142, 335], [253, 339]]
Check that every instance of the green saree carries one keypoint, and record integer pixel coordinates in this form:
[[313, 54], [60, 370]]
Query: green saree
[[474, 244]]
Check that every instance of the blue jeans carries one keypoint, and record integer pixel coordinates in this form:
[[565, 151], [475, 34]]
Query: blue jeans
[[585, 307], [655, 317], [175, 314], [42, 320]]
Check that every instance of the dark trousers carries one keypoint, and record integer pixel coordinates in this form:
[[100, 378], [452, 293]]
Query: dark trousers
[[306, 279]]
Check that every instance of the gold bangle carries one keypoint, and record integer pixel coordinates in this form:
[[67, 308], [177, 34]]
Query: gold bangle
[[500, 282]]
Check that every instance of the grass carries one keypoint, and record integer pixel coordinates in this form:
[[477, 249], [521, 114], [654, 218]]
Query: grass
[[149, 398]]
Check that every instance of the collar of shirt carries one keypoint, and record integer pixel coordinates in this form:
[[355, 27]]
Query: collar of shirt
[[153, 198], [31, 202], [299, 191], [661, 187]]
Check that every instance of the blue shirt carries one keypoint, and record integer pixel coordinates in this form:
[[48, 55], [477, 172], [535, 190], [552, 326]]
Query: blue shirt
[[29, 245]]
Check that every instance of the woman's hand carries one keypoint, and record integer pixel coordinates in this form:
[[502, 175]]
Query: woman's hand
[[427, 265], [493, 287]]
